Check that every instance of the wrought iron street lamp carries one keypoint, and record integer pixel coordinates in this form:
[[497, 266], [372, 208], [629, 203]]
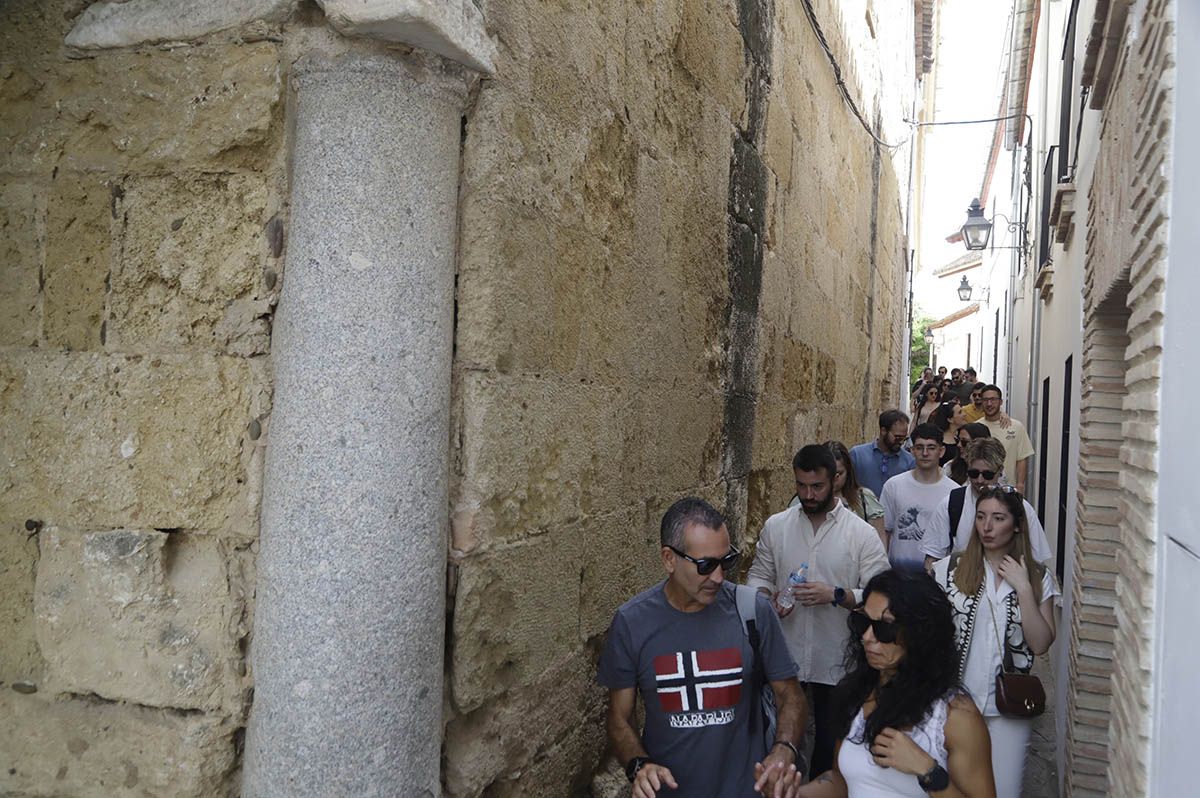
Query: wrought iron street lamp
[[964, 288], [976, 230]]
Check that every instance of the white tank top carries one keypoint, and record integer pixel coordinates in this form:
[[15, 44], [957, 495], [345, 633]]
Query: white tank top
[[865, 779]]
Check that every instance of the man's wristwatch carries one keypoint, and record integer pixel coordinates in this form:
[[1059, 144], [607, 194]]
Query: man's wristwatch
[[633, 766], [839, 595], [936, 780]]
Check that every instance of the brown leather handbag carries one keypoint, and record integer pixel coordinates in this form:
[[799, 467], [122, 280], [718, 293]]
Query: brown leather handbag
[[1018, 695]]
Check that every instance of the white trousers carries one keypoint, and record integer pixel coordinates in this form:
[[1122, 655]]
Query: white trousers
[[1010, 747]]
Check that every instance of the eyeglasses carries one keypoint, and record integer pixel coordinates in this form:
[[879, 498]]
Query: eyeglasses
[[975, 473], [706, 565], [885, 631]]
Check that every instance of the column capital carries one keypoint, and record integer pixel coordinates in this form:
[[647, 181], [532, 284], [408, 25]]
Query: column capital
[[453, 29]]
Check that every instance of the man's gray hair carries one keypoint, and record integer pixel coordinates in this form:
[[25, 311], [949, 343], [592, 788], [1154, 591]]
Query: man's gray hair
[[688, 510]]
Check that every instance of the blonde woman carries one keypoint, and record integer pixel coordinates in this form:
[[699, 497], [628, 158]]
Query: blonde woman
[[1003, 602]]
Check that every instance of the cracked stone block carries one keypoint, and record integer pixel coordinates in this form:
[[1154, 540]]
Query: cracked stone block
[[141, 112], [193, 262], [87, 748], [78, 260], [138, 615], [19, 250], [19, 657], [109, 441]]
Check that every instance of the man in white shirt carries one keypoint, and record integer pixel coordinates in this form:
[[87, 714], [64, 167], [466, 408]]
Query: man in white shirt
[[842, 552], [985, 459], [910, 499]]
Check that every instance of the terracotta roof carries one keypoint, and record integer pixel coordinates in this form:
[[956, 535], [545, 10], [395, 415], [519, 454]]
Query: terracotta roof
[[953, 317], [968, 260]]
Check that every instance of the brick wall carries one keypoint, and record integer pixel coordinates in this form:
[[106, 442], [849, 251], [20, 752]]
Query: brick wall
[[1128, 205]]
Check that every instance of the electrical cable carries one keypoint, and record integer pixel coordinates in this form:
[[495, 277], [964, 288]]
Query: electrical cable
[[841, 81], [964, 121]]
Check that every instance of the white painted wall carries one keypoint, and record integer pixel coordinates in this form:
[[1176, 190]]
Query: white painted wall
[[1176, 688]]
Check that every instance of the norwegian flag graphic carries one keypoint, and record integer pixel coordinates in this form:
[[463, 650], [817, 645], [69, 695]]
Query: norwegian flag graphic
[[691, 681]]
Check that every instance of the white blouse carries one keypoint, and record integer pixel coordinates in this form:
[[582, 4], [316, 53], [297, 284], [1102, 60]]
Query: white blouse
[[865, 779], [984, 654]]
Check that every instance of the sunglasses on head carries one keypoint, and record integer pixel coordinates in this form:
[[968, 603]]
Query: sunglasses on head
[[975, 473], [998, 488], [706, 565], [885, 631]]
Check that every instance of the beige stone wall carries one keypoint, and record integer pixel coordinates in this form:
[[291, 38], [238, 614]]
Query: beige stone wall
[[1128, 208], [592, 376], [138, 265]]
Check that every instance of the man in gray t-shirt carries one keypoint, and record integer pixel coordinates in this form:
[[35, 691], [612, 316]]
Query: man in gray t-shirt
[[682, 646]]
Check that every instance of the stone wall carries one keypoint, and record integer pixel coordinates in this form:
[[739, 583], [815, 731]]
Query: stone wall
[[680, 258], [138, 264]]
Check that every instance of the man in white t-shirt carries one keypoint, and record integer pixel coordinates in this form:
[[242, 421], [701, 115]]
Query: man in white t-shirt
[[909, 499], [956, 512]]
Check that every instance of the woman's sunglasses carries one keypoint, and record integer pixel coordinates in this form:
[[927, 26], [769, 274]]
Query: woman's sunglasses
[[885, 631], [706, 565], [975, 473]]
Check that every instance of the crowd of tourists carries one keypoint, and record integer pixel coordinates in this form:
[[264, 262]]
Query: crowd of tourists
[[883, 640]]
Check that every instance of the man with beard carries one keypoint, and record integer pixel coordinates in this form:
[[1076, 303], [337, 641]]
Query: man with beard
[[877, 461], [839, 553]]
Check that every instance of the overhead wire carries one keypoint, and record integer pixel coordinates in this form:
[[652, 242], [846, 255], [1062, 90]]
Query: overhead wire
[[841, 81]]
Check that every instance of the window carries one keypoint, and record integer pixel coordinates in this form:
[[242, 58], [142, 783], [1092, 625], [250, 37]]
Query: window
[[1064, 469], [1043, 453]]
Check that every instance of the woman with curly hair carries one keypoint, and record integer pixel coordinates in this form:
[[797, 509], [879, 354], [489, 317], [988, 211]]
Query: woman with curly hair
[[905, 726], [1002, 600]]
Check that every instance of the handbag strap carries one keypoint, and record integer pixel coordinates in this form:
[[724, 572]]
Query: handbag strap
[[1007, 665]]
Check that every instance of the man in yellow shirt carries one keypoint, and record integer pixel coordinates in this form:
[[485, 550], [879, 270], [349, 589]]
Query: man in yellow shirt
[[974, 411]]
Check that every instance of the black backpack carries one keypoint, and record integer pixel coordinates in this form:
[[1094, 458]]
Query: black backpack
[[958, 498]]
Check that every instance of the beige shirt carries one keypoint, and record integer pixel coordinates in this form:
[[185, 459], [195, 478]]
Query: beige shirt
[[1017, 445], [844, 552]]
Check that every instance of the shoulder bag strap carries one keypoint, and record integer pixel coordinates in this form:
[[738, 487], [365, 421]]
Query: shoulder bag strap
[[958, 498]]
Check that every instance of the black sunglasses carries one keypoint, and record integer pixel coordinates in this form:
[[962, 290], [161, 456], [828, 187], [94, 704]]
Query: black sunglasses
[[974, 473], [885, 631], [706, 565], [992, 490]]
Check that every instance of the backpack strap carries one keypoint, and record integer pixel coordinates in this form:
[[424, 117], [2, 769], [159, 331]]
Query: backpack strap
[[958, 498], [746, 597]]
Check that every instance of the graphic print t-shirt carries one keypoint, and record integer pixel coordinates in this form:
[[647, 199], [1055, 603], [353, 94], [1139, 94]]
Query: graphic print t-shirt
[[695, 673], [908, 506]]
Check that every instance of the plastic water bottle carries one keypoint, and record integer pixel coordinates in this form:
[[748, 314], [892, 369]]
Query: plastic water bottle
[[797, 577]]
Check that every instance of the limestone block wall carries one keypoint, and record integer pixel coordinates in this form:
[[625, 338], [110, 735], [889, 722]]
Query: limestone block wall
[[139, 249], [680, 257]]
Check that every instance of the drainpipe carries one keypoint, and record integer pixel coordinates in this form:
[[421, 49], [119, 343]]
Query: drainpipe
[[349, 622]]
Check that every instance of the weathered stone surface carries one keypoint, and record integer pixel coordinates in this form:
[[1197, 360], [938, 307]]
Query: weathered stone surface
[[139, 615], [19, 657], [79, 260], [130, 22], [453, 29], [96, 749], [549, 710], [210, 105], [508, 631], [112, 441], [20, 250], [191, 273]]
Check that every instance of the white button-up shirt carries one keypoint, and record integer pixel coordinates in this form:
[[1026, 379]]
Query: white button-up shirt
[[843, 552], [985, 654]]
